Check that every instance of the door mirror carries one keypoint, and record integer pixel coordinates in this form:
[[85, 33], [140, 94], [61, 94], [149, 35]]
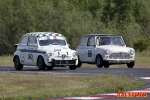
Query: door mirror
[[68, 45], [15, 45]]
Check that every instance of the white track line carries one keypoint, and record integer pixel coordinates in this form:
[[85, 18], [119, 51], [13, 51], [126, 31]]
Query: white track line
[[144, 77]]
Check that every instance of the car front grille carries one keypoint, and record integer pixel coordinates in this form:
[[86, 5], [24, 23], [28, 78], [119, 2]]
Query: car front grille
[[121, 55], [64, 62]]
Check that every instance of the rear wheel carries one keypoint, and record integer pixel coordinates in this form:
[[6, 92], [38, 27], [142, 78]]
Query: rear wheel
[[17, 64], [72, 67], [41, 64], [131, 64], [99, 61]]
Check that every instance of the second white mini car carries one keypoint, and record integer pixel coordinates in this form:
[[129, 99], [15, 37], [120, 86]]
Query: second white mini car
[[45, 50], [104, 50]]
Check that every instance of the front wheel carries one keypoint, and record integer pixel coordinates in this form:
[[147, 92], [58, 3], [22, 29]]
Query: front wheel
[[131, 64], [99, 61], [17, 64], [41, 64], [72, 67]]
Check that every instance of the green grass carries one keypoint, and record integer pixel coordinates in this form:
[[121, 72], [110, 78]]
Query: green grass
[[142, 59], [30, 86], [6, 60]]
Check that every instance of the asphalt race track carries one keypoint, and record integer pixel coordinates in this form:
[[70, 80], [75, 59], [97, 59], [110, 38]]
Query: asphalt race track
[[139, 73]]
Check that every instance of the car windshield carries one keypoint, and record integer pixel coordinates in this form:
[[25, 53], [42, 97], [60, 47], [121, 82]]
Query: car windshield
[[47, 41], [110, 41]]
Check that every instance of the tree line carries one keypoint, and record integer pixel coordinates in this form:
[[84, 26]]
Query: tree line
[[74, 18]]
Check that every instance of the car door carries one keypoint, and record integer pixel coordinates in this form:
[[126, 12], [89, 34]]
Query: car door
[[32, 50], [90, 50]]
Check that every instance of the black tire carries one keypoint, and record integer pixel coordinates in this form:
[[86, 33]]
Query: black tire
[[131, 64], [79, 63], [17, 64], [72, 67], [106, 65], [99, 61], [41, 64], [49, 67]]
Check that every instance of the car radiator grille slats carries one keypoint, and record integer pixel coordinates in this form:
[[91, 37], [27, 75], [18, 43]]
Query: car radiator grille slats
[[65, 62], [121, 55]]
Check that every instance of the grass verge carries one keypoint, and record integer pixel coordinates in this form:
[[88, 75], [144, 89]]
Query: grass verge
[[30, 86], [6, 60]]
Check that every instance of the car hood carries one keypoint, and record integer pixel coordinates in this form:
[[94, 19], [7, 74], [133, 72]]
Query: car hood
[[55, 48], [116, 48]]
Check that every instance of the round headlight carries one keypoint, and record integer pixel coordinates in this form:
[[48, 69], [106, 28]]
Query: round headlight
[[49, 54], [132, 51], [74, 54], [107, 51]]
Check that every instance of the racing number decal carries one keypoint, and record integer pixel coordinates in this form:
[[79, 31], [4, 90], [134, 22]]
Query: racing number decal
[[30, 56], [89, 53]]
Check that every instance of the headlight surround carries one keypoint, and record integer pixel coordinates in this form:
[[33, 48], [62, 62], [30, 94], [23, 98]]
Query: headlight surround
[[107, 51], [132, 51], [49, 54], [74, 54]]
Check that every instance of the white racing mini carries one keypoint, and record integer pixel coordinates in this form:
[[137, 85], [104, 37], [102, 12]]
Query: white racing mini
[[104, 50], [45, 50]]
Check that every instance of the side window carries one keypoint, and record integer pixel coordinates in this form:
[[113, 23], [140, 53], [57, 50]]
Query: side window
[[83, 41], [91, 41], [23, 41], [32, 41]]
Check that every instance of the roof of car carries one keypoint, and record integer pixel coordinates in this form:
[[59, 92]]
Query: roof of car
[[40, 34], [100, 35]]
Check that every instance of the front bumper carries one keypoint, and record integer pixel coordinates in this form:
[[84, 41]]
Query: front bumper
[[118, 61], [63, 62]]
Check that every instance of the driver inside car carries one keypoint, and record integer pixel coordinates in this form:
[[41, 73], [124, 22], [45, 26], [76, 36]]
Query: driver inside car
[[105, 41]]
